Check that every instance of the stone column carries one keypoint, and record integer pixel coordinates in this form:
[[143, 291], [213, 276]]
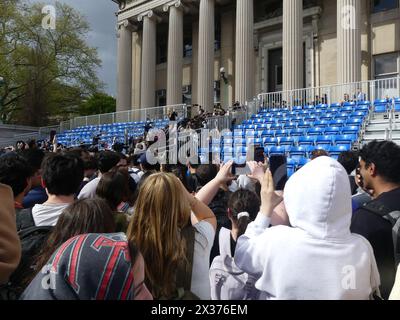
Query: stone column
[[124, 68], [227, 57], [348, 41], [293, 61], [206, 55], [195, 62], [136, 66], [175, 53], [148, 77], [244, 73]]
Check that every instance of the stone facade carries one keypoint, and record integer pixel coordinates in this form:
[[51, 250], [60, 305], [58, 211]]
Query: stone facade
[[322, 62]]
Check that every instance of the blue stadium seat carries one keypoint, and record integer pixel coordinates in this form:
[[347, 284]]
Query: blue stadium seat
[[335, 105], [350, 130], [354, 122], [290, 126], [337, 150], [277, 150], [332, 131], [315, 131], [321, 107], [297, 108], [337, 123], [361, 108], [346, 139], [349, 104], [282, 133], [306, 141], [276, 127], [297, 133], [298, 152], [268, 134], [304, 125], [321, 124], [311, 118], [271, 142], [364, 103], [326, 140], [291, 166], [286, 141], [397, 106]]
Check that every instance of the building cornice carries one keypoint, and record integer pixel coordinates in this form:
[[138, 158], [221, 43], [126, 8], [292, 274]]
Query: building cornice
[[310, 12]]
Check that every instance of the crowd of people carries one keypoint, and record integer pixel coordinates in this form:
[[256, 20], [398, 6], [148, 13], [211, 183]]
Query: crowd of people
[[80, 224]]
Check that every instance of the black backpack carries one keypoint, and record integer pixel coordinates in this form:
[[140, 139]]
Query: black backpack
[[32, 240], [393, 216]]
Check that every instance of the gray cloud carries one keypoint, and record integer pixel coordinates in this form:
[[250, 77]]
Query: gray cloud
[[102, 20]]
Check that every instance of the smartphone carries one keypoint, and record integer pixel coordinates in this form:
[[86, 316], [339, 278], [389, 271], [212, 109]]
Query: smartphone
[[278, 167], [259, 155], [240, 167]]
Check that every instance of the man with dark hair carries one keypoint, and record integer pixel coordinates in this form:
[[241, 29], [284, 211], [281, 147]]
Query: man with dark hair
[[379, 176], [349, 160], [106, 160], [61, 176], [16, 172], [37, 195]]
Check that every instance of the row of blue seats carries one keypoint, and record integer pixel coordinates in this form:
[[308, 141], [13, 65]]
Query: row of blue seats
[[301, 125], [303, 140], [277, 112], [319, 131], [276, 149], [304, 116]]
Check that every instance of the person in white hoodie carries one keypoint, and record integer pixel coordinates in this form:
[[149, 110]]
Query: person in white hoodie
[[317, 258]]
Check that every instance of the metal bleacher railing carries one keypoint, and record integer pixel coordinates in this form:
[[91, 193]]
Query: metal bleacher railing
[[125, 116], [364, 90]]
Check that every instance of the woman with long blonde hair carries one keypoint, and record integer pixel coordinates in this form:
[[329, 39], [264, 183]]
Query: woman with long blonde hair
[[163, 209]]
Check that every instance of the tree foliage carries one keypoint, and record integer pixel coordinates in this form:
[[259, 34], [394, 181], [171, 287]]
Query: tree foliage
[[99, 103], [47, 73]]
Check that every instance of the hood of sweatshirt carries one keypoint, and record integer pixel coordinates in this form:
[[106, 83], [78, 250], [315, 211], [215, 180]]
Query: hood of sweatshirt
[[318, 199]]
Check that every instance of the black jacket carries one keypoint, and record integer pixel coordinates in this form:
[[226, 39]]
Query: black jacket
[[378, 232]]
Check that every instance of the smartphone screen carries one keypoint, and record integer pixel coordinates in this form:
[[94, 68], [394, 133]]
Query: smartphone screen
[[259, 154], [278, 167]]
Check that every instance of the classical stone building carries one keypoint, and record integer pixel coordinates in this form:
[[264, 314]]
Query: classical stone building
[[173, 52]]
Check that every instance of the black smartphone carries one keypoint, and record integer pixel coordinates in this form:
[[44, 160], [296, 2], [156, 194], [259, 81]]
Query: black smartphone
[[259, 155], [278, 167], [240, 167]]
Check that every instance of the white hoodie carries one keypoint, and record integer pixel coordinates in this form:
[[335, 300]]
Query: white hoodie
[[317, 258]]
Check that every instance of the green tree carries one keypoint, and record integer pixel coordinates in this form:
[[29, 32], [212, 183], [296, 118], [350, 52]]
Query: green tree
[[46, 71], [98, 103]]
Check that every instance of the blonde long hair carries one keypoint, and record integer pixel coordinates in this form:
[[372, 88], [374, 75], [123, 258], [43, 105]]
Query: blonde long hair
[[160, 214]]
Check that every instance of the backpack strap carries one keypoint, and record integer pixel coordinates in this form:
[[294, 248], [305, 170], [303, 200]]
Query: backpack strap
[[24, 219], [394, 218], [224, 242]]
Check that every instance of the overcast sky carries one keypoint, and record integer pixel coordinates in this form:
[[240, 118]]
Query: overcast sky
[[102, 20]]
